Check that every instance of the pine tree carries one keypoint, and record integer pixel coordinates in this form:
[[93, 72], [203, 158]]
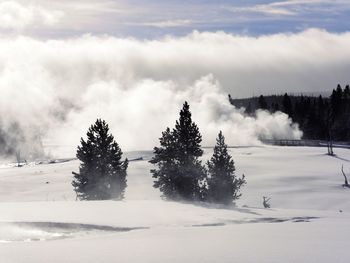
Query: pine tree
[[165, 158], [180, 173], [287, 105], [249, 109], [102, 174], [274, 107], [262, 104], [336, 102], [223, 185], [346, 93]]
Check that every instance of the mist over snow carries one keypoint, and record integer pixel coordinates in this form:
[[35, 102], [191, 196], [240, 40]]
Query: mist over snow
[[57, 88]]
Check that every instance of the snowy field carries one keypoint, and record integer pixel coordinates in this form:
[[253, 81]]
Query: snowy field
[[309, 221]]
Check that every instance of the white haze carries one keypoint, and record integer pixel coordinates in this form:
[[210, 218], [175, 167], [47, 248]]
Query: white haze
[[60, 87]]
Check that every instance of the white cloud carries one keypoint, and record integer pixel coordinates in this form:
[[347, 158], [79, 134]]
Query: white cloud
[[169, 23], [61, 86], [289, 7], [14, 15], [265, 9], [47, 18], [29, 15], [298, 2]]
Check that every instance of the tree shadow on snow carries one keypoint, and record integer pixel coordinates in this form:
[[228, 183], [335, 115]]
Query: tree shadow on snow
[[340, 158], [299, 219], [231, 207]]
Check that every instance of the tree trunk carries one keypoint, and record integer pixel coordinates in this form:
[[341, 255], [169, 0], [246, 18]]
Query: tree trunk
[[346, 184]]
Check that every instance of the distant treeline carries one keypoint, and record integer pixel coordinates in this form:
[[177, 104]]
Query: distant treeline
[[320, 118]]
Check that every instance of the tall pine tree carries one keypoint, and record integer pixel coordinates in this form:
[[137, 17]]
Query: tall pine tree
[[262, 104], [287, 105], [102, 173], [180, 173], [223, 184]]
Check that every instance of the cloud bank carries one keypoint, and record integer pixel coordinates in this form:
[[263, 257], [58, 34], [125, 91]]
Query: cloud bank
[[57, 88]]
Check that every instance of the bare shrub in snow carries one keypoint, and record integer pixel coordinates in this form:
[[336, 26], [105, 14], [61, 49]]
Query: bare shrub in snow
[[346, 183], [266, 202]]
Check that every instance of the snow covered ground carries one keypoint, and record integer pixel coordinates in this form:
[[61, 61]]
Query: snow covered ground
[[309, 221]]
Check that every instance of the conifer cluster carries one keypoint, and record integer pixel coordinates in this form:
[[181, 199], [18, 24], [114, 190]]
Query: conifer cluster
[[180, 173]]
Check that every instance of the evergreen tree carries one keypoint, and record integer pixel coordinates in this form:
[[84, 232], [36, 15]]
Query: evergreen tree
[[165, 158], [249, 109], [223, 185], [274, 107], [230, 98], [262, 104], [287, 105], [322, 119], [336, 102], [346, 94], [320, 106], [102, 174], [180, 174]]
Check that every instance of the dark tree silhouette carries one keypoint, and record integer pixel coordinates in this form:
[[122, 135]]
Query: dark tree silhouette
[[274, 107], [346, 183], [167, 172], [223, 184], [329, 120], [102, 174], [320, 118], [347, 92], [287, 105], [180, 174], [262, 104], [266, 202], [249, 110]]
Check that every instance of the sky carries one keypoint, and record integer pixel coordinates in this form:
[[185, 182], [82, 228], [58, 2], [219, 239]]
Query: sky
[[156, 18]]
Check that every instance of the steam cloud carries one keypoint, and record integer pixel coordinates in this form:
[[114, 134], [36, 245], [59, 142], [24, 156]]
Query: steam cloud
[[55, 89]]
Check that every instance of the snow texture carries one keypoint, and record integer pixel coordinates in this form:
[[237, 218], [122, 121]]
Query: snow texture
[[40, 221]]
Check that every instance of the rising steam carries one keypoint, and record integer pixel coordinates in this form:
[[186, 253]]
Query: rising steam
[[53, 90]]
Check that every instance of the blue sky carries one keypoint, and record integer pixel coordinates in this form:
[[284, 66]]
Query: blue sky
[[156, 18]]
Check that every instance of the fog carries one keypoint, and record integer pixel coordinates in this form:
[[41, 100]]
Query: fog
[[55, 89]]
